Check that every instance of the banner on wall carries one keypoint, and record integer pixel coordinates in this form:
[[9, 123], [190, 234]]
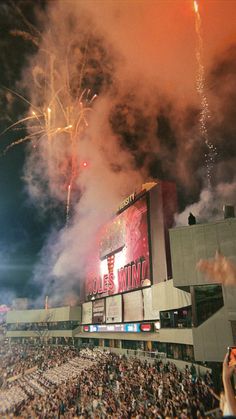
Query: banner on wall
[[87, 311], [150, 313], [114, 309], [99, 311], [133, 306]]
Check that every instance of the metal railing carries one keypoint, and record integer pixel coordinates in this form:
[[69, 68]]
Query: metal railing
[[146, 354], [138, 353]]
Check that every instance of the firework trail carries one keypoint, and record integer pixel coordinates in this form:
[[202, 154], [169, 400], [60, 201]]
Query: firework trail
[[211, 152], [42, 125], [59, 107], [68, 203]]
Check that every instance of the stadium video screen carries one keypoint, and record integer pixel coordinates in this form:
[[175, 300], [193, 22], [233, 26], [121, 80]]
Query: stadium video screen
[[122, 262]]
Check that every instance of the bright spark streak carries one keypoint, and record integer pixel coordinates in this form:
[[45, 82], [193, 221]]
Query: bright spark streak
[[21, 121], [22, 140], [205, 115], [43, 125], [68, 203]]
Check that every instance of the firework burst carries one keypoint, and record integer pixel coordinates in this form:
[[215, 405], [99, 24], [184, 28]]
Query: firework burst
[[55, 124]]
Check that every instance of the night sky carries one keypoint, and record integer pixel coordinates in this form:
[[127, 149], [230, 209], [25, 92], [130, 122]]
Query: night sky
[[22, 229], [139, 58]]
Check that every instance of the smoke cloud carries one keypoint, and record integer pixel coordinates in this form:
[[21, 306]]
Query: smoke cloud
[[210, 204], [139, 59]]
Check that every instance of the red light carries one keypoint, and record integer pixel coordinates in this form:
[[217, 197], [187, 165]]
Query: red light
[[146, 327], [85, 164]]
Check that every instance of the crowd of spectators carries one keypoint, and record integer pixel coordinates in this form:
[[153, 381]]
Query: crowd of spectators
[[16, 358], [63, 381]]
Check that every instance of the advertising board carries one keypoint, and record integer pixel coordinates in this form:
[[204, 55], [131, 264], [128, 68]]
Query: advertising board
[[126, 328]]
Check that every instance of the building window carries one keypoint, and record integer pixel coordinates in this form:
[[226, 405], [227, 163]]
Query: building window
[[180, 318], [208, 300], [233, 327], [107, 343], [132, 344], [180, 351]]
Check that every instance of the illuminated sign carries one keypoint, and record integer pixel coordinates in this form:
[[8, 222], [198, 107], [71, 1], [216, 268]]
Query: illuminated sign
[[126, 328], [122, 260], [157, 326], [131, 276], [127, 201], [86, 328], [93, 328], [132, 327], [146, 327]]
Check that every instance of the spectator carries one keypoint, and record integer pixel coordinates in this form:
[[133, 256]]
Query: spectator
[[191, 219], [127, 388], [229, 396]]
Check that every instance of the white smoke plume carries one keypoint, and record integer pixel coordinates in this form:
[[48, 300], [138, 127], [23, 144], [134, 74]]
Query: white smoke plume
[[128, 54], [74, 130], [210, 206]]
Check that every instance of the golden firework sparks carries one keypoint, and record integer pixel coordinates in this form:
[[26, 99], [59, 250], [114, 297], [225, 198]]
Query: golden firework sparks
[[205, 115]]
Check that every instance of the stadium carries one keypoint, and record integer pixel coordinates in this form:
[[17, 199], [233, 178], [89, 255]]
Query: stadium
[[117, 240], [143, 291], [148, 321]]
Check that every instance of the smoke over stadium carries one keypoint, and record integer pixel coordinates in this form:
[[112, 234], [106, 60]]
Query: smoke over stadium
[[85, 154]]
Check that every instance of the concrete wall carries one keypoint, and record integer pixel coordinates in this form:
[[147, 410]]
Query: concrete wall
[[164, 335], [39, 334], [188, 245], [176, 336], [159, 266], [75, 313], [167, 297], [191, 243], [163, 205], [212, 337], [40, 316]]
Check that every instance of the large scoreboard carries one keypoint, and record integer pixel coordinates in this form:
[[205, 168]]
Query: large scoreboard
[[122, 262], [132, 254]]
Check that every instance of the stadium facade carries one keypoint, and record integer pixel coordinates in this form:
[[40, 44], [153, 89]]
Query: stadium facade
[[143, 291]]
